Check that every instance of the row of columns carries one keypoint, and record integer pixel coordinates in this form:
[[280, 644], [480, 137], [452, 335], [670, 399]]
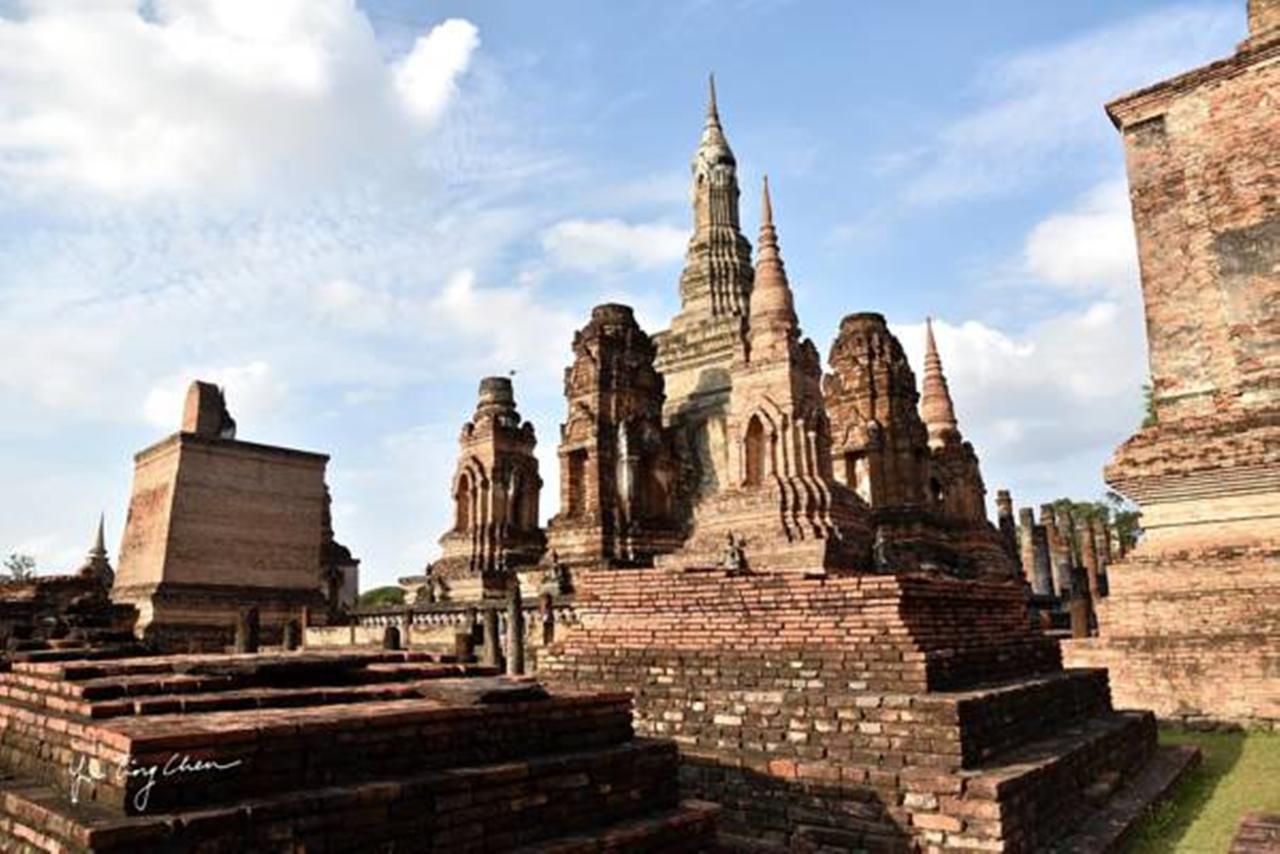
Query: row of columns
[[1061, 555]]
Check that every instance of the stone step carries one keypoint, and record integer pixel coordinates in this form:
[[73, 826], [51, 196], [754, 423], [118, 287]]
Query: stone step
[[616, 798], [999, 806], [688, 829], [1067, 775], [1106, 830], [165, 693], [451, 722]]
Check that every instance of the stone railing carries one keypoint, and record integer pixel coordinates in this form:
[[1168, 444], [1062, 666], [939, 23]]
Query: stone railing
[[442, 615]]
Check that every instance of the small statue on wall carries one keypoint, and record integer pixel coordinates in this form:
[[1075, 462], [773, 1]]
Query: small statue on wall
[[556, 580], [734, 559]]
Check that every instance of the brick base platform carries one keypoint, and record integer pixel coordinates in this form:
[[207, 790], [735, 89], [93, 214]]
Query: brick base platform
[[1171, 622], [857, 712], [326, 752]]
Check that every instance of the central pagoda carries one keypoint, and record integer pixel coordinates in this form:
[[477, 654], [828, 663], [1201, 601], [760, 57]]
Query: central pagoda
[[696, 353]]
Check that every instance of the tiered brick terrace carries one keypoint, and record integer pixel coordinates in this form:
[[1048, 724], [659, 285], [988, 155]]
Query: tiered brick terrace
[[325, 752], [858, 712]]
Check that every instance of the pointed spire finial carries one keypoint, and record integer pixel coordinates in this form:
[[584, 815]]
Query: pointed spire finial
[[712, 111], [99, 545], [766, 205], [936, 408]]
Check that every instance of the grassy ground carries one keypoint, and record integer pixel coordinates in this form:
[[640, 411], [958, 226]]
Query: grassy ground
[[1240, 772]]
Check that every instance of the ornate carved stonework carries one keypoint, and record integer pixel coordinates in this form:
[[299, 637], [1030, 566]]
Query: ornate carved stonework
[[695, 354], [879, 443], [781, 493], [495, 493], [617, 478]]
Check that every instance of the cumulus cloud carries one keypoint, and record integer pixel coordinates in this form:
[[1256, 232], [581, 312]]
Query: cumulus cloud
[[426, 79], [1038, 109], [210, 97], [1089, 248], [611, 245]]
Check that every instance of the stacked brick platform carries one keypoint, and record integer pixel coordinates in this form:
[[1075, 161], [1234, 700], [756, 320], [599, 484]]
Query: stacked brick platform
[[333, 752], [1175, 622], [857, 712]]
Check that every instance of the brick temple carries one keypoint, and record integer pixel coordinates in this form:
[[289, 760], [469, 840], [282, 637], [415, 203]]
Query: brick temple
[[1201, 592], [768, 612]]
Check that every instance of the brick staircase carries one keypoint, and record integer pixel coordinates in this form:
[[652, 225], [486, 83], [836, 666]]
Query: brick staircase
[[387, 751], [858, 713]]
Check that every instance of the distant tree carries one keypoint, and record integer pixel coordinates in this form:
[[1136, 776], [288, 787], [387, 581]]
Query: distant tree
[[1149, 417], [19, 567], [1114, 509], [382, 597]]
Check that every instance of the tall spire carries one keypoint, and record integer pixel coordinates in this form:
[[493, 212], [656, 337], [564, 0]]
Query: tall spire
[[773, 313], [936, 408], [717, 277], [96, 564], [99, 546]]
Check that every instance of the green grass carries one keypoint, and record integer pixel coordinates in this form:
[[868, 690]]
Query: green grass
[[1239, 773]]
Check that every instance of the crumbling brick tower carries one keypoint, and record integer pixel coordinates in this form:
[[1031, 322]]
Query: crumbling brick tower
[[1201, 592], [217, 525], [495, 493], [617, 477], [695, 354], [781, 497], [919, 476]]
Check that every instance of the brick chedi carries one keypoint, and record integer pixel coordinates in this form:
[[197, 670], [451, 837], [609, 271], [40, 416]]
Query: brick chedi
[[495, 492], [216, 525], [955, 480], [917, 473], [781, 498], [696, 353], [617, 477], [1201, 592]]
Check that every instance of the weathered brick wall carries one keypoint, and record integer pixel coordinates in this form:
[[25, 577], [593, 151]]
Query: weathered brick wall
[[1195, 639], [1203, 156], [809, 709], [1190, 626]]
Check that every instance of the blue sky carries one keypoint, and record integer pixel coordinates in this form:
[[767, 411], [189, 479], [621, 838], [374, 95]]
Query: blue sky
[[347, 214]]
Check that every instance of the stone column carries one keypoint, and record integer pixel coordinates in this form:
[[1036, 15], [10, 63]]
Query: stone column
[[247, 631], [1089, 556], [1059, 554], [546, 609], [1042, 566], [1008, 527], [491, 652], [515, 631], [406, 627], [292, 635], [1026, 545]]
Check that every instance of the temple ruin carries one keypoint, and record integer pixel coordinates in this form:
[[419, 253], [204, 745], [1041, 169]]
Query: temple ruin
[[770, 611], [495, 498], [216, 525], [1201, 592]]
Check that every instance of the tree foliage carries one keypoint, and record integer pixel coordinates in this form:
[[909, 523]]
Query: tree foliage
[[382, 597], [19, 567], [1149, 415], [1113, 508]]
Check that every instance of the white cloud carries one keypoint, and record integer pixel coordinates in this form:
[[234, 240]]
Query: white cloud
[[497, 329], [253, 393], [1090, 248], [610, 245], [1039, 107], [426, 79], [211, 97]]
